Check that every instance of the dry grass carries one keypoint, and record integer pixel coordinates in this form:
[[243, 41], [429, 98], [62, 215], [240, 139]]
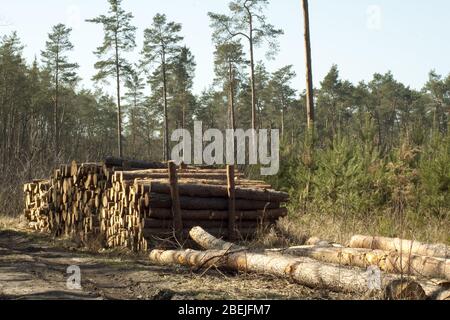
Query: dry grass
[[298, 227], [10, 223]]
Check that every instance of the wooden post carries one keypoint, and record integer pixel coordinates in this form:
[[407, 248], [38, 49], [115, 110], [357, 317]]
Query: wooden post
[[176, 208], [231, 203]]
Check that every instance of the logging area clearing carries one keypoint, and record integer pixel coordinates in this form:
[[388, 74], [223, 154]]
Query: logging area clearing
[[140, 230], [33, 266]]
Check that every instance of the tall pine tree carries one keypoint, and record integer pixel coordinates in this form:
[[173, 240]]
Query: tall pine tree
[[161, 43], [119, 38], [61, 70]]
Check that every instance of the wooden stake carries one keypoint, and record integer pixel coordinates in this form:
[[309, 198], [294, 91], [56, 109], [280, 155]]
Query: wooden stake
[[231, 204], [176, 207]]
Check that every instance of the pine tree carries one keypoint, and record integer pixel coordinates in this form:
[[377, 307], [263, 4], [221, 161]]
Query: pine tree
[[62, 71], [134, 96], [247, 21], [227, 63], [181, 82], [161, 43], [119, 38]]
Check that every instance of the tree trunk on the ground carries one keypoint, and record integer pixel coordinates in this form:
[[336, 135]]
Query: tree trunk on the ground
[[304, 271], [387, 261], [400, 245]]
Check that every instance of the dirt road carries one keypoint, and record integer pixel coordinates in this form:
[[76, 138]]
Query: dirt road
[[34, 266]]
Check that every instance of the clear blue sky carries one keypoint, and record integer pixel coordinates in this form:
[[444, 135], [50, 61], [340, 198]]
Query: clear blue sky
[[363, 37]]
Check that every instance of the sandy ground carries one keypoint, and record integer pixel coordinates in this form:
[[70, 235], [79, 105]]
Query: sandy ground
[[34, 266]]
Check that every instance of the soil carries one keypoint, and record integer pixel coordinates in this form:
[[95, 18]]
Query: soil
[[34, 266]]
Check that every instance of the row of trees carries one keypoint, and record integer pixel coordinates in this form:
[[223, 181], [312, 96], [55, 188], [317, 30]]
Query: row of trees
[[45, 119]]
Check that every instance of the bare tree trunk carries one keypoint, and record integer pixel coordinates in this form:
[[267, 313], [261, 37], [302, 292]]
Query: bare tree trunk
[[407, 247], [55, 111], [252, 68], [166, 120], [119, 108], [302, 270], [309, 79], [231, 103]]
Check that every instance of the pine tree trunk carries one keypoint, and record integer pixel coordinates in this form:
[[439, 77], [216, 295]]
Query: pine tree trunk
[[400, 245], [304, 271], [309, 79], [166, 116], [119, 108]]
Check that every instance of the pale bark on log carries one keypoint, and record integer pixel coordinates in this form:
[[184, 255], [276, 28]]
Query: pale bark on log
[[303, 271], [434, 289], [400, 245], [208, 241], [390, 262]]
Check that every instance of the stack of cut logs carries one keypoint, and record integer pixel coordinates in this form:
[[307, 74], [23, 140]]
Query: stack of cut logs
[[128, 203], [159, 203], [36, 205]]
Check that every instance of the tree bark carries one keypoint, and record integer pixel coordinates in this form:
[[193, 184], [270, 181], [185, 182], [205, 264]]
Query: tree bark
[[206, 191], [157, 200], [166, 116], [391, 262], [304, 271], [252, 67], [400, 245], [434, 289], [175, 196], [231, 193], [119, 108], [309, 78], [55, 111]]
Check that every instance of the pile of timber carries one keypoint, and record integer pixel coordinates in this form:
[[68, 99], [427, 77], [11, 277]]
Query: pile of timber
[[161, 203], [37, 205], [127, 203], [329, 266]]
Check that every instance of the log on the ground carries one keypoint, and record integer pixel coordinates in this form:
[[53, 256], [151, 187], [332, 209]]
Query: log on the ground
[[270, 214], [304, 271], [207, 241], [392, 262], [400, 245], [434, 289]]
